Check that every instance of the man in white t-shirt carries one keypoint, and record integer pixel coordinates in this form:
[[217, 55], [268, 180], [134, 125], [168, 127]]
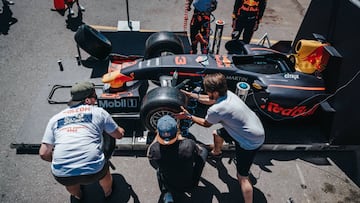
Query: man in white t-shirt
[[73, 142], [240, 124]]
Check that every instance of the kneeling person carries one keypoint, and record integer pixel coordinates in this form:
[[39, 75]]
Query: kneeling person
[[179, 161]]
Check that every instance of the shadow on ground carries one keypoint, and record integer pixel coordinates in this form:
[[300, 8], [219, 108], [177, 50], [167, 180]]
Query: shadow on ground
[[347, 161], [6, 19], [122, 192], [210, 193]]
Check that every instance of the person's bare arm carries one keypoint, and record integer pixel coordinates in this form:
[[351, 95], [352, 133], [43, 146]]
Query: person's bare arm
[[46, 151], [186, 115], [200, 121], [118, 133], [202, 98]]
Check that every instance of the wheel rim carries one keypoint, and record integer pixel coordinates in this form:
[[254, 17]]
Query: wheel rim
[[157, 115]]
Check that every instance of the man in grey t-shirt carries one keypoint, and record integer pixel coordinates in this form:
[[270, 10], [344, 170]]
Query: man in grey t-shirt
[[73, 142], [240, 124]]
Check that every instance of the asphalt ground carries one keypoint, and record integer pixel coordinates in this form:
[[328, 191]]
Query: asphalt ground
[[33, 38]]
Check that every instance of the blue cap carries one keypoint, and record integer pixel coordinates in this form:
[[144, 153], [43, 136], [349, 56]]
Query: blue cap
[[167, 129]]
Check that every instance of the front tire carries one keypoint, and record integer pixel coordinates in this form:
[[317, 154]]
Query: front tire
[[159, 102]]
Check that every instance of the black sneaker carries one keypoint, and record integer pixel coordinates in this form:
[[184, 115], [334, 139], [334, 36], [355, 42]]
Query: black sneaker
[[8, 2], [82, 8]]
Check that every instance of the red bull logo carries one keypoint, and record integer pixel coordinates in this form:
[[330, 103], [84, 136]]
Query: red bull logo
[[318, 58], [311, 56], [289, 112]]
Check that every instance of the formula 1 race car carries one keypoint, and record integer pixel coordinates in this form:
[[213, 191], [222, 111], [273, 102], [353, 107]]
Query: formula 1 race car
[[267, 81]]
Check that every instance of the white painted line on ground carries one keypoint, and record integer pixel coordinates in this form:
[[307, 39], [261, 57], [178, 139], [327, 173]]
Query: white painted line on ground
[[302, 180]]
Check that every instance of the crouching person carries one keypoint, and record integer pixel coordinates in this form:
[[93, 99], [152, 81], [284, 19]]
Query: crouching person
[[178, 161], [73, 142]]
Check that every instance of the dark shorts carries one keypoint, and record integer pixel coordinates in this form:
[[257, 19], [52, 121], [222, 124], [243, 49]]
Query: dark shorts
[[244, 158], [83, 179]]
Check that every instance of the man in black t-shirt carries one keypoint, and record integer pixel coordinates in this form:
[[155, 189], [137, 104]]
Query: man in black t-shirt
[[179, 161]]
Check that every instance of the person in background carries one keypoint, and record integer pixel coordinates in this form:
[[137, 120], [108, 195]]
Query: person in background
[[200, 24], [246, 17], [179, 161], [240, 125], [73, 142], [70, 3]]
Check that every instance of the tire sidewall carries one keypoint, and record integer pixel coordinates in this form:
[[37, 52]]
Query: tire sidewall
[[158, 102], [93, 42], [160, 42]]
